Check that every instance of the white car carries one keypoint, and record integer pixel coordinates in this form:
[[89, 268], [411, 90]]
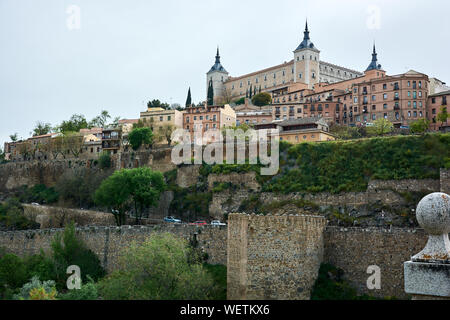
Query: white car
[[35, 204], [217, 223]]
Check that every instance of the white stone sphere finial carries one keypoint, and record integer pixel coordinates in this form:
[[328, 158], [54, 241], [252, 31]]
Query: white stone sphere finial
[[433, 214]]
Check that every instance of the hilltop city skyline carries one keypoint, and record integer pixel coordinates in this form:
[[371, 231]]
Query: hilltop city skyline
[[51, 72]]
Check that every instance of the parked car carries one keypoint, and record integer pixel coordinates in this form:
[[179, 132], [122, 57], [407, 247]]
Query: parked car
[[35, 204], [172, 219], [404, 127], [217, 223], [198, 223]]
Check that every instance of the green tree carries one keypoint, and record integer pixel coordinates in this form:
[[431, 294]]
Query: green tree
[[188, 99], [240, 101], [443, 115], [161, 268], [262, 99], [140, 136], [165, 132], [250, 92], [210, 97], [157, 104], [13, 137], [145, 187], [381, 126], [104, 160], [12, 273], [42, 128], [420, 126], [74, 124], [140, 187], [100, 120], [69, 249], [114, 193]]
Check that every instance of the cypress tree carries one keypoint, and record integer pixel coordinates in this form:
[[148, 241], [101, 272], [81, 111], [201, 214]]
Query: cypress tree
[[188, 100], [210, 94], [250, 92], [259, 88]]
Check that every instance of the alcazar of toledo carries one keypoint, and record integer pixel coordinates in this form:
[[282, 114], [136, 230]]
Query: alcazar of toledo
[[304, 71], [306, 86]]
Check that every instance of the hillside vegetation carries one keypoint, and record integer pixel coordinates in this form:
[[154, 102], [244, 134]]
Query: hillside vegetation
[[339, 166]]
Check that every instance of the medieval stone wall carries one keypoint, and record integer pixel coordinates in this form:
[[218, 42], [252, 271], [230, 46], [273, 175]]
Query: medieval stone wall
[[355, 249], [107, 242], [273, 257], [445, 181], [243, 180]]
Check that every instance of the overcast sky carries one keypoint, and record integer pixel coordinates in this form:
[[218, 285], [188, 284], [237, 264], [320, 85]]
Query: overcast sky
[[124, 52]]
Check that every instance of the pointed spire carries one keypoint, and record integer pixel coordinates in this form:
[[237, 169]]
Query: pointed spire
[[306, 43], [374, 63], [306, 33], [217, 65], [217, 55]]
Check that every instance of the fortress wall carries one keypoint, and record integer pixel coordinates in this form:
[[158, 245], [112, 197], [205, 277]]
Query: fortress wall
[[273, 257], [107, 242], [355, 249]]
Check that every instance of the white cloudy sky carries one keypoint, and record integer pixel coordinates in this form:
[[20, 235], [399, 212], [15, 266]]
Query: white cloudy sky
[[129, 51]]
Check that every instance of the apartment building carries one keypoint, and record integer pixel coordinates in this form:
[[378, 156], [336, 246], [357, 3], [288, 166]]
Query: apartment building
[[436, 102], [208, 118]]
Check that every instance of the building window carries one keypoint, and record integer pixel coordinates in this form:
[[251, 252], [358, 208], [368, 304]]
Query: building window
[[161, 118]]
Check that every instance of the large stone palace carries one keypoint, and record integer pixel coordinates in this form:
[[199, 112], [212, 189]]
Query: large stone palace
[[309, 87]]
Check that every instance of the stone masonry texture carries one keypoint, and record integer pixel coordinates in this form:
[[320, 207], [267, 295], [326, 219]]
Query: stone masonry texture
[[107, 242], [273, 257], [355, 249]]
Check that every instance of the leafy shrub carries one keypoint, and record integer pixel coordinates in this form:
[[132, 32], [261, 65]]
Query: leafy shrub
[[140, 136], [104, 160], [37, 290], [219, 274], [262, 99], [39, 265], [12, 216], [42, 294], [68, 250], [87, 291], [12, 274], [157, 269], [330, 285], [340, 166], [38, 193]]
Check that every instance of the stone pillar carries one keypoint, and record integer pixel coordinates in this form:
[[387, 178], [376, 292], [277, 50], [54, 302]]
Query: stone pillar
[[427, 275]]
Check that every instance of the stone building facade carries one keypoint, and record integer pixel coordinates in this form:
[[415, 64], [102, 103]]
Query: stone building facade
[[305, 69], [273, 257]]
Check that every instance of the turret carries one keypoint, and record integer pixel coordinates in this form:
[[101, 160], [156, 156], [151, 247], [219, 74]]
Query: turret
[[217, 75], [306, 61]]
